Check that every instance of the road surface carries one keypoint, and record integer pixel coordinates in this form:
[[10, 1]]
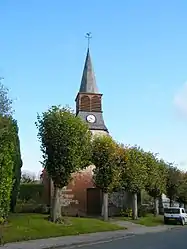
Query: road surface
[[173, 239]]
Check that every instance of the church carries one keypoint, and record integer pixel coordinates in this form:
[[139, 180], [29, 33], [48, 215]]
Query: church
[[80, 197]]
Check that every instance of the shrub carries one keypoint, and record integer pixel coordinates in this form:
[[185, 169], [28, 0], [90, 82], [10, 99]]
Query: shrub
[[31, 207], [145, 209], [31, 191], [126, 212]]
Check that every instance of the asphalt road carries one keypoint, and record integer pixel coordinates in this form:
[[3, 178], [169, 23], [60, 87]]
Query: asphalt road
[[173, 239]]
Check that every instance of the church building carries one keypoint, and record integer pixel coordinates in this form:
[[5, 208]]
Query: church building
[[81, 197]]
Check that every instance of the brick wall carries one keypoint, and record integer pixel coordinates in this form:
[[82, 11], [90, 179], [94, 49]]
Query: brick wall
[[74, 196]]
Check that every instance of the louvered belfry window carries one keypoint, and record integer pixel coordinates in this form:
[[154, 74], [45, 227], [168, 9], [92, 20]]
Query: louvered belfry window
[[85, 104], [95, 104]]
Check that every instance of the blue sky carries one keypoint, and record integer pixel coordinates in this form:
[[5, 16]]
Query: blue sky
[[139, 54]]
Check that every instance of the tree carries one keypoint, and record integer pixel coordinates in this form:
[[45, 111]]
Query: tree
[[28, 178], [5, 101], [106, 172], [172, 182], [17, 166], [134, 174], [182, 190], [156, 180], [7, 111], [8, 138], [65, 144], [6, 165]]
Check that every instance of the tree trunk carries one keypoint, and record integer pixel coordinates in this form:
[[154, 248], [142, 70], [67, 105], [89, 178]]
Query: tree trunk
[[161, 209], [156, 207], [170, 203], [102, 211], [56, 209], [105, 206], [135, 206]]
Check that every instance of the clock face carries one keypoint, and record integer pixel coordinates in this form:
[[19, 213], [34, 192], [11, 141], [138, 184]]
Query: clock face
[[91, 118]]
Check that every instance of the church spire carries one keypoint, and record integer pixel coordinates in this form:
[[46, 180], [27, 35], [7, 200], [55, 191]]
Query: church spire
[[88, 82]]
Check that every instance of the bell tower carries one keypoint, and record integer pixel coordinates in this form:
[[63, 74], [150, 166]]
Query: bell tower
[[89, 100]]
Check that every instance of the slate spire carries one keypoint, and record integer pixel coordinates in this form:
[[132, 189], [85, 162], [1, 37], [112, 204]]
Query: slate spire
[[88, 82]]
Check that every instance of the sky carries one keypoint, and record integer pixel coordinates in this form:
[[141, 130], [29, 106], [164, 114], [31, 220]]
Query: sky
[[139, 53]]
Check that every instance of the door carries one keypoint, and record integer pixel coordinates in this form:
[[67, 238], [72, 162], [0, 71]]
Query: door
[[94, 201]]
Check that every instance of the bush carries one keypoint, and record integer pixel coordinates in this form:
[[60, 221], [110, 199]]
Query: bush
[[126, 212], [31, 191], [31, 207], [145, 209]]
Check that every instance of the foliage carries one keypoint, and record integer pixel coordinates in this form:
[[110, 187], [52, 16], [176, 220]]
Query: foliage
[[31, 206], [105, 158], [182, 189], [65, 143], [146, 198], [66, 146], [26, 178], [17, 166], [6, 111], [144, 209], [126, 212], [156, 180], [6, 164], [172, 182], [30, 191], [134, 171], [5, 102]]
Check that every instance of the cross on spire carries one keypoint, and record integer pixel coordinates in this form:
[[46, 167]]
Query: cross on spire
[[88, 82], [89, 37]]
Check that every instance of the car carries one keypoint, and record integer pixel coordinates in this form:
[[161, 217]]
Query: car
[[175, 214]]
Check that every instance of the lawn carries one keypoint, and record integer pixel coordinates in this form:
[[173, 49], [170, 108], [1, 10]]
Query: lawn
[[35, 226], [149, 221]]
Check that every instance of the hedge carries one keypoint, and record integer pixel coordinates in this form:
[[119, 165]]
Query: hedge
[[31, 191], [6, 166]]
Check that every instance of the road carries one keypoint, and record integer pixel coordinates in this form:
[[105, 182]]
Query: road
[[173, 239]]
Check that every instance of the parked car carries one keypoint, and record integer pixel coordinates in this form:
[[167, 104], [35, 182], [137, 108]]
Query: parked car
[[175, 214]]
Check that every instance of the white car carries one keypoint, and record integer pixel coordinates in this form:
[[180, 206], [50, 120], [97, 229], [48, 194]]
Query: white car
[[175, 214]]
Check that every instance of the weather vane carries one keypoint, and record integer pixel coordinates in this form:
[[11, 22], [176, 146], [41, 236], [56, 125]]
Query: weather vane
[[88, 36]]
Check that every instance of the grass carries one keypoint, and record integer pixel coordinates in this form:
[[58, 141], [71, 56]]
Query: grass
[[36, 226], [149, 221]]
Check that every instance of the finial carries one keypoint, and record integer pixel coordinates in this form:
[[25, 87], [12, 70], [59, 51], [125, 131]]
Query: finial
[[88, 36]]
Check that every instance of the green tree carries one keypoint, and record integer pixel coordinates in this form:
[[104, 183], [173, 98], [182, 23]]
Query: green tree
[[65, 143], [182, 190], [6, 165], [28, 178], [172, 182], [156, 180], [134, 174], [17, 166], [7, 111], [5, 101], [7, 150], [106, 173]]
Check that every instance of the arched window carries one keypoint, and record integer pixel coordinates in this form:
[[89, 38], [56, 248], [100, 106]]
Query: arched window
[[96, 104], [85, 104]]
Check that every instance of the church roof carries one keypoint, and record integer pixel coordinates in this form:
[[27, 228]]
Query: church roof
[[88, 82]]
